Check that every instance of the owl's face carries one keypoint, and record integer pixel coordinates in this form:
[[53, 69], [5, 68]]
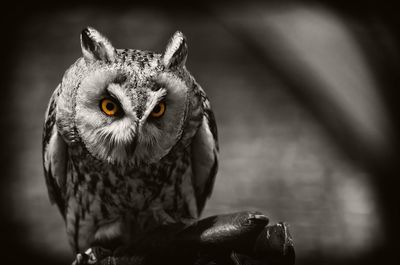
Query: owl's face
[[131, 105]]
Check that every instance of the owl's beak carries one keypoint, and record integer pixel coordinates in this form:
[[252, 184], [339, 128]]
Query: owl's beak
[[130, 148]]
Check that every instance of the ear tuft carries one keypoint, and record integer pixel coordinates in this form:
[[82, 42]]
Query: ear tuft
[[176, 52], [95, 46]]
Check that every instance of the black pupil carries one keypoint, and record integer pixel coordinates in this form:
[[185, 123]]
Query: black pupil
[[110, 106], [157, 109]]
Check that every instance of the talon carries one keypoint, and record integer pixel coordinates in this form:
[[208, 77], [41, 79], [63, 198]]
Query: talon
[[98, 253], [81, 259], [91, 256], [78, 259]]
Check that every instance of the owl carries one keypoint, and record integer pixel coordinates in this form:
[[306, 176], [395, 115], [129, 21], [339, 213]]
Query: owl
[[129, 142]]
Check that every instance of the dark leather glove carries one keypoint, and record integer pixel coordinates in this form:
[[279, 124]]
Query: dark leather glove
[[239, 239]]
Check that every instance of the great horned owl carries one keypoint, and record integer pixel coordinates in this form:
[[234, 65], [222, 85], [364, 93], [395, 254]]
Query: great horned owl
[[129, 142]]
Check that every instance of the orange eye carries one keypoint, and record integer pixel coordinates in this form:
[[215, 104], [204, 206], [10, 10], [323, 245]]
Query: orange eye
[[109, 107], [158, 110]]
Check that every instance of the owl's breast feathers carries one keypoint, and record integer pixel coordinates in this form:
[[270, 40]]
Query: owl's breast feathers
[[99, 195]]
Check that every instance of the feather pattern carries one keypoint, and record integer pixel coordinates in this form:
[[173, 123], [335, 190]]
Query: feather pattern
[[204, 154], [54, 156]]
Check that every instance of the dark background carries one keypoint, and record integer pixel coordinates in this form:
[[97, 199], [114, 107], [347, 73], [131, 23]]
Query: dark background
[[305, 95]]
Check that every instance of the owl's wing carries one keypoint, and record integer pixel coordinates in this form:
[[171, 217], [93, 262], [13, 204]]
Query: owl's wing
[[204, 157], [54, 156]]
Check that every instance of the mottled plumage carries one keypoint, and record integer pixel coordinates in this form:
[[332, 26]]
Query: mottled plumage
[[114, 177]]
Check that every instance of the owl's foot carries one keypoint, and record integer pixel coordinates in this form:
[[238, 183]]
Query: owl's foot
[[92, 256], [81, 259]]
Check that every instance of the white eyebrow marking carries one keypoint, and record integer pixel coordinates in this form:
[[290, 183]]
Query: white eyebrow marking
[[116, 91], [154, 98]]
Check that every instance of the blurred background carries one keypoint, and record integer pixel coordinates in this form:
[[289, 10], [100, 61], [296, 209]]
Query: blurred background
[[305, 95]]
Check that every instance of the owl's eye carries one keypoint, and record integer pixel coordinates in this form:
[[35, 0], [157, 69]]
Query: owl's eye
[[110, 107], [158, 110]]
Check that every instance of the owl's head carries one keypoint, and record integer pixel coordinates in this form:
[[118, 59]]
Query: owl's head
[[128, 105]]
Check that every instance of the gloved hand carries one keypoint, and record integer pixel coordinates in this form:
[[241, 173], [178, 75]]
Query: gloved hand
[[242, 238]]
